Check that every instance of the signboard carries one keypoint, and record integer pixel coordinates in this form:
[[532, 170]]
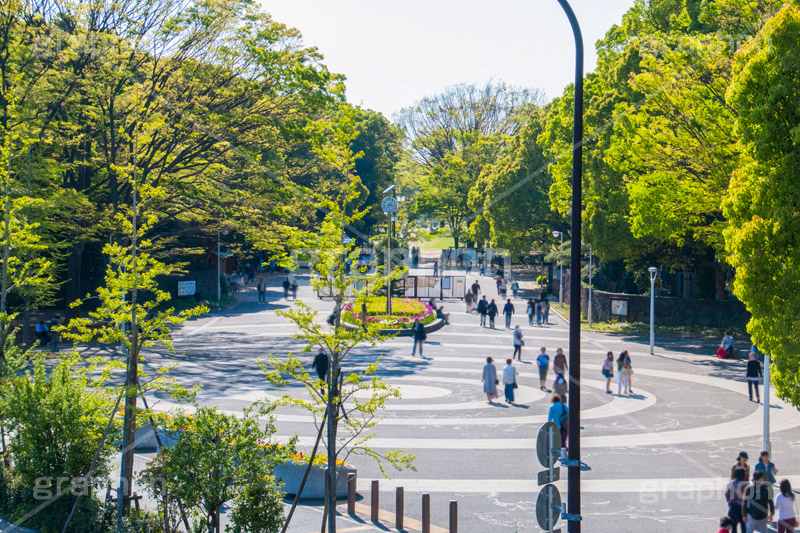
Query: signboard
[[545, 476], [548, 506], [187, 288], [619, 307], [548, 441]]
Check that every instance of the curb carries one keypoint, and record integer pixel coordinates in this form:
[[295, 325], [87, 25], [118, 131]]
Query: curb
[[405, 332]]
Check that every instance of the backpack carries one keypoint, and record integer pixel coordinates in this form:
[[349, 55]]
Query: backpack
[[758, 502], [564, 417]]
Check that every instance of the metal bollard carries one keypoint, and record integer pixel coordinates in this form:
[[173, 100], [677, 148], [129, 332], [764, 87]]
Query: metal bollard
[[351, 494], [399, 508], [426, 513], [453, 516], [374, 506]]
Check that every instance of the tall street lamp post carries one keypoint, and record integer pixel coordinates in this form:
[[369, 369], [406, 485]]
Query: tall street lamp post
[[574, 425], [389, 206], [557, 234], [653, 275]]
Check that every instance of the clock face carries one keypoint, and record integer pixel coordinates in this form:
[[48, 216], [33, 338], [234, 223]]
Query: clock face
[[389, 205]]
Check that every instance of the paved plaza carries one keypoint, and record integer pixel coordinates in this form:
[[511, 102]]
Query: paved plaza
[[659, 459]]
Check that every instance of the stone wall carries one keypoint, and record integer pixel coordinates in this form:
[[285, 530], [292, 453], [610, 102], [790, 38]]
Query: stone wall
[[668, 311]]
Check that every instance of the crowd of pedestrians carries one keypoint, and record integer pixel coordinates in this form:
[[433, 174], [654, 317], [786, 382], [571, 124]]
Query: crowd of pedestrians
[[751, 501]]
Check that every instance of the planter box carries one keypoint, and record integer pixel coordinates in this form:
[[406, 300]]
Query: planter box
[[291, 474], [145, 438], [405, 332]]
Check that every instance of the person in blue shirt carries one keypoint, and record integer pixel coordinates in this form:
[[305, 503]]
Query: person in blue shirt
[[766, 466], [543, 361], [559, 415]]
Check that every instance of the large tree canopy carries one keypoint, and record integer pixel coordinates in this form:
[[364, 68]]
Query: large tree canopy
[[764, 236]]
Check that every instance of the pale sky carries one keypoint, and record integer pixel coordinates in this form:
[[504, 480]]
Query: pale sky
[[394, 53]]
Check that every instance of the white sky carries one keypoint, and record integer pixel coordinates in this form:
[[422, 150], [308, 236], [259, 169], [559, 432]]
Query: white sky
[[396, 52]]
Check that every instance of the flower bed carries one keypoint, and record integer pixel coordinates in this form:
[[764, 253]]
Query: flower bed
[[404, 312]]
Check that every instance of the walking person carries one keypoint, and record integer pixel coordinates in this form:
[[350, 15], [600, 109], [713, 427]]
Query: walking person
[[560, 364], [468, 301], [724, 525], [545, 309], [734, 495], [530, 310], [622, 377], [741, 462], [560, 384], [754, 376], [418, 330], [476, 290], [518, 343], [503, 288], [767, 467], [320, 364], [608, 370], [492, 311], [436, 269], [786, 518], [483, 310], [510, 380], [539, 311], [508, 311], [262, 291], [490, 380], [55, 335], [364, 315], [286, 287], [543, 361], [627, 371], [758, 506], [514, 288], [41, 333], [293, 285], [558, 414], [469, 267]]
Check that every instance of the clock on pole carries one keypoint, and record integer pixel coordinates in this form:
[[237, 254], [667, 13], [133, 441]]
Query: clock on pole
[[389, 205]]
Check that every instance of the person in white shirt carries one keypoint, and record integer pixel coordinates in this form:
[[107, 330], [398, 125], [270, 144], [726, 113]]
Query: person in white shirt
[[785, 516], [510, 380]]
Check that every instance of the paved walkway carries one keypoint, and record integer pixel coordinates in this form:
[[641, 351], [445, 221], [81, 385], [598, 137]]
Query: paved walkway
[[659, 458]]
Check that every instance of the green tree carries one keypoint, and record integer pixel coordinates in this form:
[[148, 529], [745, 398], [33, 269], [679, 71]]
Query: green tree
[[218, 459], [57, 419], [337, 401], [132, 310], [452, 137], [512, 195], [763, 238]]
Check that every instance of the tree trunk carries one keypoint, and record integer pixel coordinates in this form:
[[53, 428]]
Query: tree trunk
[[73, 286]]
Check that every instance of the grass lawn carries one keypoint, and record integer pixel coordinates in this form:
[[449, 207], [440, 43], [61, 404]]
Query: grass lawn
[[441, 241]]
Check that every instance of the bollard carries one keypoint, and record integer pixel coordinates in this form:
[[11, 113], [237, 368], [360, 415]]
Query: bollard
[[426, 513], [399, 511], [453, 516], [351, 494], [374, 506]]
